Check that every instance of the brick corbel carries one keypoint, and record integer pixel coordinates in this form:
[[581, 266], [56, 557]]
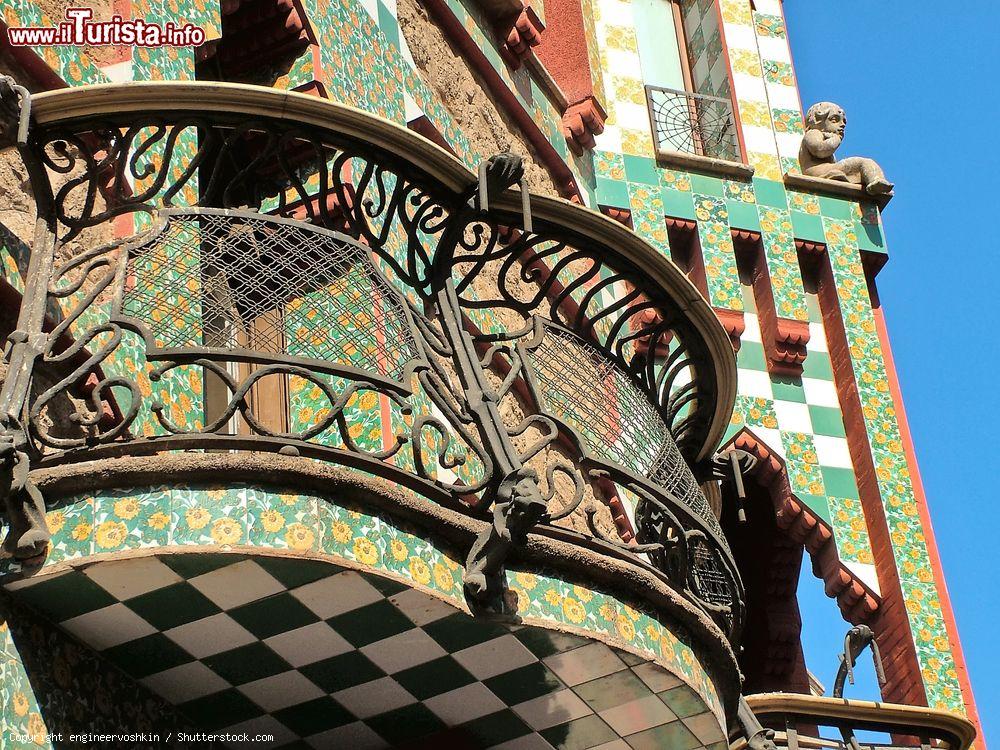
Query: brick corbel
[[518, 33], [857, 602], [734, 323], [581, 122], [784, 339]]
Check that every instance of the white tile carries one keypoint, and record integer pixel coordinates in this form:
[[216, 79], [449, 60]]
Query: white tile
[[788, 143], [551, 709], [784, 97], [774, 48], [866, 572], [308, 644], [124, 579], [833, 451], [185, 683], [705, 727], [755, 383], [281, 691], [759, 139], [211, 635], [793, 416], [817, 338], [613, 745], [741, 37], [494, 657], [107, 627], [820, 392], [750, 88], [411, 108], [337, 594], [420, 608], [656, 677], [356, 736], [403, 650], [464, 704], [585, 663], [770, 438], [261, 725], [638, 715], [752, 328], [237, 584], [119, 72], [373, 698]]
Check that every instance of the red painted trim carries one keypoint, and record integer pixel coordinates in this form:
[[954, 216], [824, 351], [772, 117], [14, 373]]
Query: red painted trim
[[857, 602], [33, 64], [904, 683], [732, 86], [504, 97], [784, 339], [947, 610]]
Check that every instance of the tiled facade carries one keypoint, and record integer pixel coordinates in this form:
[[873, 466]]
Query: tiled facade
[[736, 48]]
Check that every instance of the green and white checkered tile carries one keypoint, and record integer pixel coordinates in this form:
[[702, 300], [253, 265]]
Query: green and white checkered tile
[[323, 657], [800, 419]]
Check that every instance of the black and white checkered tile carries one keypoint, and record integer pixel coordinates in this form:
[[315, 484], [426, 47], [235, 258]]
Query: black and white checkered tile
[[323, 657]]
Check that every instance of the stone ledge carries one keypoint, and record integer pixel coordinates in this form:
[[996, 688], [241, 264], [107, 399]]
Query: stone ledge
[[701, 163], [834, 187]]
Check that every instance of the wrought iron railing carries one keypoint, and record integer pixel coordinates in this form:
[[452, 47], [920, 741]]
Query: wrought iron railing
[[693, 123], [522, 374], [807, 721]]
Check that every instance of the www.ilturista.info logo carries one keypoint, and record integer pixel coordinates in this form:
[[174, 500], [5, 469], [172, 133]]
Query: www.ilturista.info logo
[[78, 29]]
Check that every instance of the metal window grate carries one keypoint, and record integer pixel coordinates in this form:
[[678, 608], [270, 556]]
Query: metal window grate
[[713, 585], [240, 281], [693, 123], [583, 388], [671, 472]]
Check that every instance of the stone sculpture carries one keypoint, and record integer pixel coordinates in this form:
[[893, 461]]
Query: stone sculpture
[[825, 125]]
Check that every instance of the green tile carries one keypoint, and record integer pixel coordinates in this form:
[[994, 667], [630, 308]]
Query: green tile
[[273, 615], [580, 734], [294, 573], [434, 677], [198, 563], [816, 503], [459, 631], [827, 421], [678, 204], [743, 215], [706, 185], [542, 642], [65, 596], [813, 308], [808, 226], [246, 664], [496, 728], [220, 709], [751, 356], [817, 365], [769, 193], [523, 684], [341, 672], [787, 389], [612, 192], [407, 723], [387, 586], [613, 690], [674, 735], [683, 701], [869, 237], [387, 24], [374, 622], [641, 169], [835, 208], [149, 655], [314, 716], [628, 657], [173, 605], [839, 482]]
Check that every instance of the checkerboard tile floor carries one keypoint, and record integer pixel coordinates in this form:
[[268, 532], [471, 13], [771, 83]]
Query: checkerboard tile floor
[[323, 657]]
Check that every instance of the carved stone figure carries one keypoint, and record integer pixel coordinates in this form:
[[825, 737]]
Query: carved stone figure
[[518, 507], [825, 125]]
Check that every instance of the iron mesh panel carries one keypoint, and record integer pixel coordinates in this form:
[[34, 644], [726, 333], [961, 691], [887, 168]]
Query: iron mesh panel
[[693, 123], [713, 584], [583, 388], [671, 472], [241, 282]]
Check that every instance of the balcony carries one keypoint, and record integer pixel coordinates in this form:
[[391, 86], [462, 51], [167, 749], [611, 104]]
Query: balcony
[[695, 131], [269, 272], [806, 721]]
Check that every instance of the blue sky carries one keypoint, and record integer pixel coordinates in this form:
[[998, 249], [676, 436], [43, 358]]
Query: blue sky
[[919, 88]]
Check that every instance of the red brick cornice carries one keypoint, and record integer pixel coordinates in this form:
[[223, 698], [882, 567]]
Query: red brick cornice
[[857, 601], [518, 34], [581, 122]]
